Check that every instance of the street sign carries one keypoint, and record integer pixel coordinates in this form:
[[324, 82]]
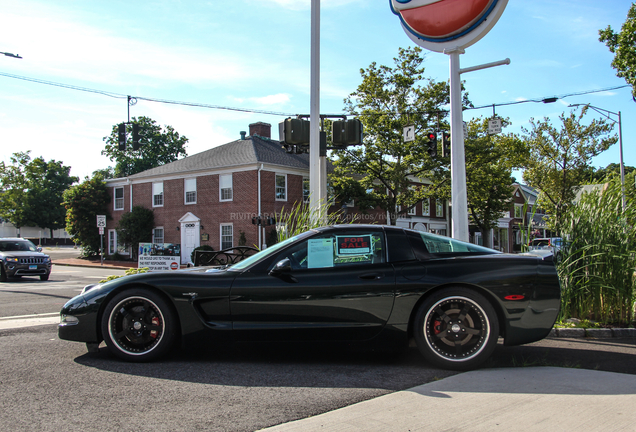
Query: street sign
[[101, 221], [101, 230], [494, 126], [409, 133]]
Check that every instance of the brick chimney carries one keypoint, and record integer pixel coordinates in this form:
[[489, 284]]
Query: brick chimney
[[261, 129]]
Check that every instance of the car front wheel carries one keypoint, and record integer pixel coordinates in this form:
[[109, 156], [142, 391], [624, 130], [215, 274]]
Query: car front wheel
[[456, 328], [138, 325]]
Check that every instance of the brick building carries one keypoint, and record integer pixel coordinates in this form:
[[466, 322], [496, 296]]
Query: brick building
[[211, 197]]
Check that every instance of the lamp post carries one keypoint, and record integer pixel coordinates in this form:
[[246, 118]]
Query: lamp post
[[607, 113]]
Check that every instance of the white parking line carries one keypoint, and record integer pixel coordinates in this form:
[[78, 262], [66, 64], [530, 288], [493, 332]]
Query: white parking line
[[22, 321]]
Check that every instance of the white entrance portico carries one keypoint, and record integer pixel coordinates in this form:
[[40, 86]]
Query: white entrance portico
[[190, 236]]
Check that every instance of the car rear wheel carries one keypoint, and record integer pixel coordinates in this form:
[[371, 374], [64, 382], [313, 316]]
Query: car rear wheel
[[138, 325], [456, 328], [44, 277]]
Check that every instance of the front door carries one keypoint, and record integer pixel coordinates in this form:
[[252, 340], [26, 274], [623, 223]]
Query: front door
[[340, 287], [190, 236]]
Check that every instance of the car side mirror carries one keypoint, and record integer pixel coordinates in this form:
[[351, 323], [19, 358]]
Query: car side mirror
[[282, 267], [39, 249]]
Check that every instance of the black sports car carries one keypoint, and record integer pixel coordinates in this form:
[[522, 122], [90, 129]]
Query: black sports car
[[341, 283]]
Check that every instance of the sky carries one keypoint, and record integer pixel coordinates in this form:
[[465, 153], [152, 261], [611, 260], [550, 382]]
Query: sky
[[251, 60]]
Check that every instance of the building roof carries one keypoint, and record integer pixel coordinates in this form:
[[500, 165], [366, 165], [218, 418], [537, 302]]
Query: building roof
[[248, 151]]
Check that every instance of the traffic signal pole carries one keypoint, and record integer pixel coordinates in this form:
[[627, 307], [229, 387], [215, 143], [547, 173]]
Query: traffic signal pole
[[317, 164]]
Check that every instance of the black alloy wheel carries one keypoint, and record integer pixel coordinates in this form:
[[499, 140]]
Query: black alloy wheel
[[456, 328], [138, 325]]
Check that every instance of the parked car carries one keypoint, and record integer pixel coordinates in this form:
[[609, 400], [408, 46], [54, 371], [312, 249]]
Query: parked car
[[348, 283], [20, 257], [552, 244]]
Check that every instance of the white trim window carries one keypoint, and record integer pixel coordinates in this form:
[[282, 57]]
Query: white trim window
[[412, 211], [226, 191], [426, 207], [119, 198], [112, 242], [157, 194], [190, 190], [306, 189], [439, 208], [519, 211], [281, 187], [157, 235], [227, 236]]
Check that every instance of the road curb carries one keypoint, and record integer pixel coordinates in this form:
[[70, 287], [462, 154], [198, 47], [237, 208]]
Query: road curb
[[596, 333]]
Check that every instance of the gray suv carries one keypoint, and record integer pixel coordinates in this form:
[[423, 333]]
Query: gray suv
[[19, 257]]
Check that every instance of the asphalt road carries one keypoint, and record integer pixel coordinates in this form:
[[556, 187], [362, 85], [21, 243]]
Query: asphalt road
[[50, 384], [29, 295]]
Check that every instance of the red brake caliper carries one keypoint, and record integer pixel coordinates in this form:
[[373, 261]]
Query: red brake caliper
[[155, 322], [437, 327]]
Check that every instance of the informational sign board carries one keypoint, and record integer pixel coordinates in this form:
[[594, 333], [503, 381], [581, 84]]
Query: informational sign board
[[101, 221], [409, 133], [159, 256], [320, 253], [353, 245], [494, 126]]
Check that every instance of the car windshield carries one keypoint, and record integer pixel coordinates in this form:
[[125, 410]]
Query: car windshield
[[17, 246], [241, 265]]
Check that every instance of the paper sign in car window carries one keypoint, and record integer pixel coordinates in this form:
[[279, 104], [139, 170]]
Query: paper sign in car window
[[320, 253], [354, 245]]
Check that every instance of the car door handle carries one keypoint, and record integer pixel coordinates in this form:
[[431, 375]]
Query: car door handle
[[371, 276]]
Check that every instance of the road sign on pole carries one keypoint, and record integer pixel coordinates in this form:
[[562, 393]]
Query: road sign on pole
[[101, 221], [494, 126]]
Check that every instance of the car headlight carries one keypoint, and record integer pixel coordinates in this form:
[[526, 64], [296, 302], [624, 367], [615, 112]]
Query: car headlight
[[47, 259], [11, 260], [68, 320]]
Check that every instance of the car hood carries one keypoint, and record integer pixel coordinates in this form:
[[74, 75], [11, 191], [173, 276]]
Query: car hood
[[23, 253]]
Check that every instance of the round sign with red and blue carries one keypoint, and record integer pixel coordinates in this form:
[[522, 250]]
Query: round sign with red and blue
[[440, 25]]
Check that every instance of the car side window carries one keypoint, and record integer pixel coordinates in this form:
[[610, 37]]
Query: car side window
[[336, 250]]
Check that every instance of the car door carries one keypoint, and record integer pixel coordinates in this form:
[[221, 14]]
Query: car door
[[335, 285]]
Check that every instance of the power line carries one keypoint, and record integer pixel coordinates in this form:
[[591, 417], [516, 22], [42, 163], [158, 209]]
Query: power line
[[264, 112]]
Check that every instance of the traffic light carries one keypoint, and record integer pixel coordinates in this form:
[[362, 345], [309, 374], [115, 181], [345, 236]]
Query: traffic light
[[346, 132], [294, 131], [135, 133], [432, 144], [446, 144], [121, 134]]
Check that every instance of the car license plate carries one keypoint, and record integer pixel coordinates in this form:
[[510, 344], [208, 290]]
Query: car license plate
[[33, 267]]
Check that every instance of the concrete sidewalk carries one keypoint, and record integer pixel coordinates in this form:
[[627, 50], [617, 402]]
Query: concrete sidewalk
[[510, 399]]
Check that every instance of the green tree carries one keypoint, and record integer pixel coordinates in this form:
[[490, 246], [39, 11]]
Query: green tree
[[387, 100], [83, 202], [32, 191], [559, 159], [601, 175], [157, 147], [623, 46], [136, 227], [490, 160]]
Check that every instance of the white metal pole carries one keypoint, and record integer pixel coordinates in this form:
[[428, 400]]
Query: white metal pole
[[458, 161], [316, 197]]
